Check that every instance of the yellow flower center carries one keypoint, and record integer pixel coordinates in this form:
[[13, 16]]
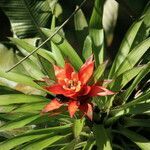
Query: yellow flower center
[[72, 85]]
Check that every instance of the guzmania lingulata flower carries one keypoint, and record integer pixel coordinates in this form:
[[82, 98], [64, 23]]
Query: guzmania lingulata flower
[[74, 87]]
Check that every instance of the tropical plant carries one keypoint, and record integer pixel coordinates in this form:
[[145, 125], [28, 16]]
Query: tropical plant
[[119, 117]]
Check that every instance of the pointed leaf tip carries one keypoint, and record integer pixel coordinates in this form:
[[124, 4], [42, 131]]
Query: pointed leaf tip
[[86, 70], [87, 109], [72, 107], [100, 91], [54, 104]]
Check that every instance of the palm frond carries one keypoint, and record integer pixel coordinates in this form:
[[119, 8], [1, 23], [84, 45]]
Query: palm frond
[[26, 16]]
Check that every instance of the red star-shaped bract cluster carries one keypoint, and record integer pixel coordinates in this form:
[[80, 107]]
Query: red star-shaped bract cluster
[[74, 86]]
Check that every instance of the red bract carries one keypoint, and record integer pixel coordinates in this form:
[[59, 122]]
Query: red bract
[[74, 86]]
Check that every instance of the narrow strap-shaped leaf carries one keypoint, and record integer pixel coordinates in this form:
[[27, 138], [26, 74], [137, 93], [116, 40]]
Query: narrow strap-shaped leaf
[[89, 144], [137, 106], [96, 31], [80, 145], [102, 139], [65, 48], [47, 67], [130, 122], [81, 27], [7, 108], [7, 90], [80, 20], [18, 123], [56, 129], [29, 48], [142, 97], [120, 81], [110, 15], [32, 68], [42, 142], [70, 145], [140, 76], [31, 108], [133, 57], [27, 17], [77, 127], [138, 32], [138, 139], [125, 47], [57, 55], [20, 78], [32, 135], [20, 98], [11, 143], [99, 71], [55, 50], [87, 48]]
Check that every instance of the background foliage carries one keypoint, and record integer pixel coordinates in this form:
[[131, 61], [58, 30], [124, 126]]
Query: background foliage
[[120, 121]]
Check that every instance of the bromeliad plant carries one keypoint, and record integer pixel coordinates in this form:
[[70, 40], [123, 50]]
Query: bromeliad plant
[[74, 89], [33, 112]]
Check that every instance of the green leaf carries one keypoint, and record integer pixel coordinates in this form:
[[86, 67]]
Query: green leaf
[[99, 71], [11, 117], [6, 57], [137, 80], [138, 139], [33, 135], [138, 106], [7, 108], [130, 122], [47, 67], [29, 48], [137, 33], [81, 27], [102, 139], [11, 143], [80, 21], [55, 7], [120, 81], [65, 48], [144, 29], [87, 48], [31, 68], [63, 142], [125, 47], [30, 108], [27, 17], [25, 47], [77, 127], [70, 145], [89, 144], [20, 78], [20, 98], [57, 55], [43, 142], [96, 31], [133, 57], [57, 129], [55, 50], [18, 123], [7, 90], [143, 97], [110, 15], [135, 109], [80, 145]]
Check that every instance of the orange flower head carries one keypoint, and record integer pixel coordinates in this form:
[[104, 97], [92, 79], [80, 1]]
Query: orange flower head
[[73, 85]]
